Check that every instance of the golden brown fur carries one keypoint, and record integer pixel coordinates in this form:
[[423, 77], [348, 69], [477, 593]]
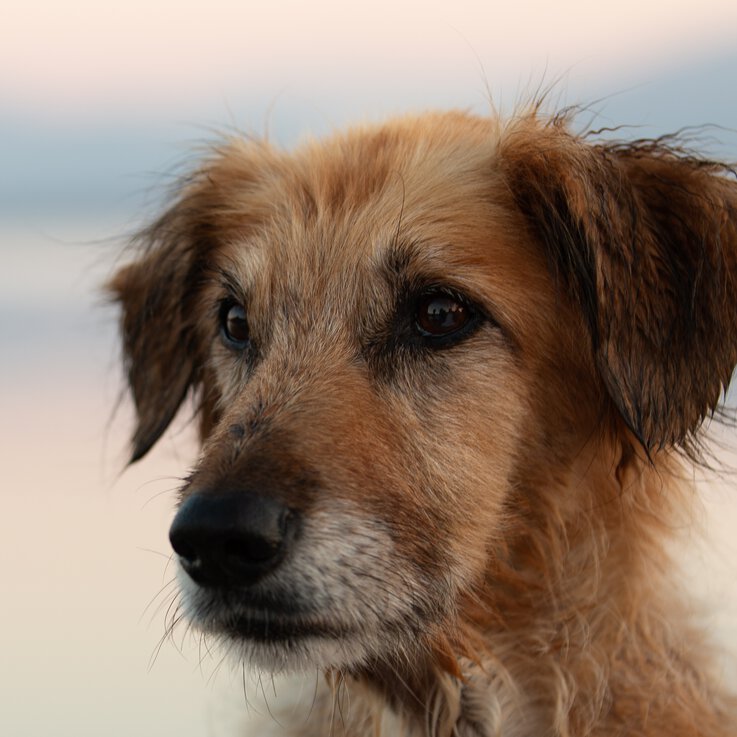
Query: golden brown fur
[[490, 517]]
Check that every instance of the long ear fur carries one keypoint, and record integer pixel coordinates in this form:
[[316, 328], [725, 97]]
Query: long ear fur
[[159, 335], [644, 238], [164, 353]]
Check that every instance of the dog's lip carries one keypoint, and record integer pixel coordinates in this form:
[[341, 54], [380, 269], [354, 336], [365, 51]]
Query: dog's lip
[[269, 619], [264, 626]]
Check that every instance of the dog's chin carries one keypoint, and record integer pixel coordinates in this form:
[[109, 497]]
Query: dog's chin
[[276, 640], [278, 644], [303, 651]]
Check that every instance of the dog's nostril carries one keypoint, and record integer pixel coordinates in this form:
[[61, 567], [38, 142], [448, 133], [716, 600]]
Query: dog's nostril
[[185, 551], [231, 539], [188, 552], [250, 550]]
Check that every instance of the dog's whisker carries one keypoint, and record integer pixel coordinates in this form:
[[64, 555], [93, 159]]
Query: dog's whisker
[[167, 636], [271, 714], [243, 685], [169, 491], [166, 594]]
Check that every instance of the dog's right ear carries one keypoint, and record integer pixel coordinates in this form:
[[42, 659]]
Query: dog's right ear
[[160, 348], [163, 350]]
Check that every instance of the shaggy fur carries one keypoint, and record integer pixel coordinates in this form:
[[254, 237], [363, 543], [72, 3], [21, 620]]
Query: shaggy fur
[[485, 516]]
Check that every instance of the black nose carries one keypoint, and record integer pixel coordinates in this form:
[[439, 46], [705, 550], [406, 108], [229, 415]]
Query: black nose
[[231, 539]]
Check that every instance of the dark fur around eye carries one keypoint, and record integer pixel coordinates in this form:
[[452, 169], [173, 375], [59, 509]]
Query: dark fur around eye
[[425, 321]]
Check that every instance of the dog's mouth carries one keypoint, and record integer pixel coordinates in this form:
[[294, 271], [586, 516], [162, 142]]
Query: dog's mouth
[[265, 627], [262, 618]]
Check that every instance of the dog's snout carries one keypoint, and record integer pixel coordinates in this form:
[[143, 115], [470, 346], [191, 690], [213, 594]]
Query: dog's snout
[[231, 539]]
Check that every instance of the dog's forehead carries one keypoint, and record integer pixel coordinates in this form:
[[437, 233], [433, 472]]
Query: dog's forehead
[[327, 223], [338, 211]]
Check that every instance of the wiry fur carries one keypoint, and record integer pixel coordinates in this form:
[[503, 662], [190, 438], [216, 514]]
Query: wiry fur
[[486, 523]]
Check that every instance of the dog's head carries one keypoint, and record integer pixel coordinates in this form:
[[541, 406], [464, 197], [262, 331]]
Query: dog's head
[[392, 337]]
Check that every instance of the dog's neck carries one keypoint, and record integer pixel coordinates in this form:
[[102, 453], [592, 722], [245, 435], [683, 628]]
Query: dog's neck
[[559, 606]]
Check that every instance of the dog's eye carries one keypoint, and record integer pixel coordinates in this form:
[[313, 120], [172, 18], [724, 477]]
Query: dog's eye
[[233, 325], [439, 315]]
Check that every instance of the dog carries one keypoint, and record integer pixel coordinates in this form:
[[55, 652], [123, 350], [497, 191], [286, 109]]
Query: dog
[[449, 374]]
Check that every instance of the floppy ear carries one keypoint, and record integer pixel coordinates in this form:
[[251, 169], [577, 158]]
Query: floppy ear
[[164, 353], [158, 333], [644, 238]]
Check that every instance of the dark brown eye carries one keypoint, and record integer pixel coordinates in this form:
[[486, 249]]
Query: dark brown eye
[[233, 325], [439, 315]]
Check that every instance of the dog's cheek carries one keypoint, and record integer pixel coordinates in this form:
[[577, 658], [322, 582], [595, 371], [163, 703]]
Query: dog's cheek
[[466, 436]]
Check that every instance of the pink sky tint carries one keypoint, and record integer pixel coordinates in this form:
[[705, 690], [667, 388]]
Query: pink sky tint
[[81, 55]]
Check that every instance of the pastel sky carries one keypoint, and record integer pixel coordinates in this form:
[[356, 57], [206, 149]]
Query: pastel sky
[[95, 97], [85, 57]]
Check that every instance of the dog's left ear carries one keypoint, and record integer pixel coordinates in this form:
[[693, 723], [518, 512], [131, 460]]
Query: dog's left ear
[[644, 239]]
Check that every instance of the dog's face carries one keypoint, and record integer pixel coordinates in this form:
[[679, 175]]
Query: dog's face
[[387, 360]]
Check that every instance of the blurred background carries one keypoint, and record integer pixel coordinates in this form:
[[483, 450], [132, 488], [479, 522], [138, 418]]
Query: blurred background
[[99, 104]]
